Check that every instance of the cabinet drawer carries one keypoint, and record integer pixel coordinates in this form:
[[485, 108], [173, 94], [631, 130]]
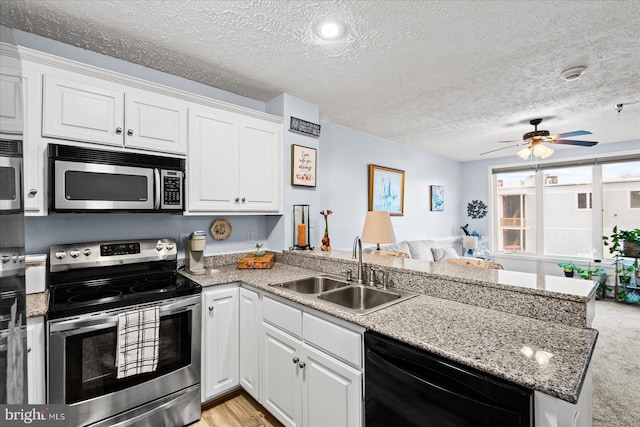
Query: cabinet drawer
[[287, 318], [333, 339]]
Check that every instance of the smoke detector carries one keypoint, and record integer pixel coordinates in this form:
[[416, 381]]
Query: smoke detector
[[573, 73]]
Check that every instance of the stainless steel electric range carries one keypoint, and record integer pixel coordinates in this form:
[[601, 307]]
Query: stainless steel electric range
[[93, 287]]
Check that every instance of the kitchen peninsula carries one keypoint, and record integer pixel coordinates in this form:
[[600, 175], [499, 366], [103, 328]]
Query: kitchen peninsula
[[491, 340]]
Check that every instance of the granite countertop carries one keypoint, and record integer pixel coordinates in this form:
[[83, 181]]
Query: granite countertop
[[37, 304], [551, 286], [545, 356]]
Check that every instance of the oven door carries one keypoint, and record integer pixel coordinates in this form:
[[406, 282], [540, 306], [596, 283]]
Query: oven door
[[82, 355], [10, 193], [92, 186]]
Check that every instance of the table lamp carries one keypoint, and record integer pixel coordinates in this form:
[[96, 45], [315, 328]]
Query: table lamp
[[470, 243], [378, 229]]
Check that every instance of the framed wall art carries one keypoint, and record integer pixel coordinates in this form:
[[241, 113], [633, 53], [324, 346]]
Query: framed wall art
[[386, 190], [437, 198], [303, 166]]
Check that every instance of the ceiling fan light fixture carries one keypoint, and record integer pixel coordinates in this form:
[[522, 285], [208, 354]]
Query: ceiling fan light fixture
[[572, 74], [543, 152], [524, 153]]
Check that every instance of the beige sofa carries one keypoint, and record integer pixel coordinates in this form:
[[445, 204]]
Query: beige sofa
[[430, 250]]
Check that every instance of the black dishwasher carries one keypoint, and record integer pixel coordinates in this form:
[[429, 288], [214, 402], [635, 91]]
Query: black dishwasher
[[405, 386]]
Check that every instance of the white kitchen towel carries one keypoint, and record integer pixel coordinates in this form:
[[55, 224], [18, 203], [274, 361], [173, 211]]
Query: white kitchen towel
[[138, 333]]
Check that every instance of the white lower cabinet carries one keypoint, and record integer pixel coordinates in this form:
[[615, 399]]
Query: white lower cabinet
[[35, 361], [219, 344], [302, 385], [250, 320]]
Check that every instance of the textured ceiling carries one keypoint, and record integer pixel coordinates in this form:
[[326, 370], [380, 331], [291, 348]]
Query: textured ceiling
[[450, 77]]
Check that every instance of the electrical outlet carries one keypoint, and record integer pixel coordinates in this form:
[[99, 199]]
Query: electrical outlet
[[182, 242], [251, 236]]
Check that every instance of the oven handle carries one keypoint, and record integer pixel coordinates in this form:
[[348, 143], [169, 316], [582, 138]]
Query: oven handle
[[82, 324]]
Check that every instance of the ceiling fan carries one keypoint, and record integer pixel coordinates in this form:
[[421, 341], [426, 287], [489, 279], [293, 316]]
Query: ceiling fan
[[535, 141]]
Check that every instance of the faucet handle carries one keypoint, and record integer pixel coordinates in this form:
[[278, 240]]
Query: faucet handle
[[349, 275]]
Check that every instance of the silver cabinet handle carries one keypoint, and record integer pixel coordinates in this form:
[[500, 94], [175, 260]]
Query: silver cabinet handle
[[130, 132], [301, 365], [28, 349], [237, 199], [295, 360], [244, 200], [118, 131], [210, 308], [33, 191]]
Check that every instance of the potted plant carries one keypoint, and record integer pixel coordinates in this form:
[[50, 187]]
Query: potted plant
[[624, 273], [624, 242], [569, 268]]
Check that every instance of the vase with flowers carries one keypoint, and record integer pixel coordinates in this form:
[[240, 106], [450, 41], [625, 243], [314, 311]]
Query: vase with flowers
[[326, 242]]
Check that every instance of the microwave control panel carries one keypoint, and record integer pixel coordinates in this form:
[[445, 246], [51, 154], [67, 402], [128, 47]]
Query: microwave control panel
[[172, 189]]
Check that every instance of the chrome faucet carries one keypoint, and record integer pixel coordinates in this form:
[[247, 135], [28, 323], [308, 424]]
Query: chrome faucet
[[357, 246]]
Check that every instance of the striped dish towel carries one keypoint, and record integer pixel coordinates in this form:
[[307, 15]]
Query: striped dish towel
[[138, 333]]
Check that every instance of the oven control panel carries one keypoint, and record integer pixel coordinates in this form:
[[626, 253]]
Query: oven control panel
[[102, 254]]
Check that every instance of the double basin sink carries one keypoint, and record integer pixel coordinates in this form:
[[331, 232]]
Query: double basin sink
[[354, 298]]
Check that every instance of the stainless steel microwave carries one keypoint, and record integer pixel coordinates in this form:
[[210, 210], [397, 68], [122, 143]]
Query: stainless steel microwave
[[88, 180], [10, 176]]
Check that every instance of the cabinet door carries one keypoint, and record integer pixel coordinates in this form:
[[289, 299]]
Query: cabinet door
[[10, 106], [260, 165], [250, 341], [155, 122], [35, 151], [35, 360], [212, 163], [219, 342], [332, 391], [280, 384], [83, 109]]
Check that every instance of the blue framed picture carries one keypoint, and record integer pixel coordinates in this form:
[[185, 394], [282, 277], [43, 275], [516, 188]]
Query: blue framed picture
[[437, 198], [386, 190]]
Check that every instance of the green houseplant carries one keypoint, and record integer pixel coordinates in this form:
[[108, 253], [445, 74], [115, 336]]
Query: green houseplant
[[624, 273], [568, 267], [623, 242]]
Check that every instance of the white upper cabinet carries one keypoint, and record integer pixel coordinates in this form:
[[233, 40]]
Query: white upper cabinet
[[82, 109], [234, 163], [10, 106], [87, 109]]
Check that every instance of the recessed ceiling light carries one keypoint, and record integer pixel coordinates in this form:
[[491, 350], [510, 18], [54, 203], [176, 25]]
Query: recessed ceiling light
[[330, 30], [573, 73]]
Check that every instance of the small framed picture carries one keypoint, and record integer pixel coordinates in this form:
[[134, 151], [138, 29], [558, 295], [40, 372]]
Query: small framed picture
[[386, 190], [437, 198], [303, 166]]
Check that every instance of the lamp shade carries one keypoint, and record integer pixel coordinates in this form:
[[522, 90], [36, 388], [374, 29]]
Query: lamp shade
[[378, 228], [470, 242]]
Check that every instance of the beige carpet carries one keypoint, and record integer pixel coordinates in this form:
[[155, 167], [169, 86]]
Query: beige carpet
[[616, 365]]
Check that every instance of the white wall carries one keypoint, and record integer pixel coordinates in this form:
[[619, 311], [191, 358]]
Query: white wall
[[343, 176]]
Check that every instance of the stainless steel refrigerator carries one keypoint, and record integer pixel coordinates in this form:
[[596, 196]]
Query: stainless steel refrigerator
[[13, 336]]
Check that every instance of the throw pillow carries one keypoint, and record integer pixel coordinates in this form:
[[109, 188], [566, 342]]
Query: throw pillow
[[421, 249], [440, 254]]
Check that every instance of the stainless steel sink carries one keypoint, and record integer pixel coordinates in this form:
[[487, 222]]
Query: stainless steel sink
[[313, 285], [356, 299], [365, 299]]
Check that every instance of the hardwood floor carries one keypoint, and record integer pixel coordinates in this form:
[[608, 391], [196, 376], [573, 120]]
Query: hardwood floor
[[240, 410]]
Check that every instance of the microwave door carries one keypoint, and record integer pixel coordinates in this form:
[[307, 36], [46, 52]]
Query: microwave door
[[92, 186], [10, 193]]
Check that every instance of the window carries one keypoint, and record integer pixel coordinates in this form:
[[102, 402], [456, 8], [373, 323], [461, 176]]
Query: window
[[564, 209], [516, 204], [620, 187], [585, 200], [567, 230]]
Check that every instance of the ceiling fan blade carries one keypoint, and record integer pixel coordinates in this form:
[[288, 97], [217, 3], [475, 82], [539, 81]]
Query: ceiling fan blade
[[501, 148], [574, 142], [570, 134], [511, 140]]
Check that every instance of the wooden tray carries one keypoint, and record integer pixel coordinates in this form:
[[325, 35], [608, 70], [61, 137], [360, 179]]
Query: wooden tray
[[252, 261]]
